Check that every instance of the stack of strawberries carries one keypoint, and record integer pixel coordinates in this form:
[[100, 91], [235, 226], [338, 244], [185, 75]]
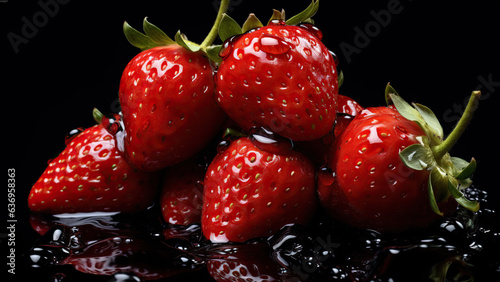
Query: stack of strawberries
[[250, 135]]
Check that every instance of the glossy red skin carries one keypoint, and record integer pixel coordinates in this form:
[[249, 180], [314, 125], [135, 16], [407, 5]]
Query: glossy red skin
[[317, 149], [91, 175], [347, 105], [268, 191], [181, 198], [293, 94], [169, 111], [372, 188]]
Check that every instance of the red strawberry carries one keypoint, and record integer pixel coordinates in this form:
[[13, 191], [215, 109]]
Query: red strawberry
[[386, 176], [347, 109], [181, 197], [167, 99], [250, 192], [347, 105], [281, 77], [91, 175], [317, 149]]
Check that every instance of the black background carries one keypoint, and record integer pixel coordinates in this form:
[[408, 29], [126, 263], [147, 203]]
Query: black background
[[432, 52]]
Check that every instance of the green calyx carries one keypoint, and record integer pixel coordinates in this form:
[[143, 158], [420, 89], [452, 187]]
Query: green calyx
[[233, 132], [449, 175], [153, 36], [229, 27], [97, 115]]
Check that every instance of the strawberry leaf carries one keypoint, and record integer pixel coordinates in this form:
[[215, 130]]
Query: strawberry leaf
[[440, 183], [431, 120], [97, 115], [341, 78], [228, 27], [432, 197], [466, 171], [182, 40], [308, 13], [277, 15], [213, 53], [138, 39], [465, 183], [406, 110], [389, 90], [232, 132], [155, 33], [453, 187], [251, 23], [459, 163], [418, 157]]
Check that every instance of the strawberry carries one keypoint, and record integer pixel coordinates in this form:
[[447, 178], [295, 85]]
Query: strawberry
[[182, 193], [316, 149], [279, 76], [91, 175], [251, 192], [167, 99], [348, 106], [392, 171]]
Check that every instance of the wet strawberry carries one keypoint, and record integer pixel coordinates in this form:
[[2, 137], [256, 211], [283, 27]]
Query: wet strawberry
[[317, 150], [392, 172], [250, 192], [281, 77], [181, 199], [348, 106], [91, 175], [167, 99]]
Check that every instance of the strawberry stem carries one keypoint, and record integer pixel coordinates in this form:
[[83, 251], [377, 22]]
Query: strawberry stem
[[443, 148], [214, 32]]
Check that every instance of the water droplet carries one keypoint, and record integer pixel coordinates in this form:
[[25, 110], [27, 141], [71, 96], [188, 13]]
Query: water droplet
[[225, 142], [326, 176], [277, 22], [268, 141], [56, 235], [227, 46], [125, 277], [312, 29], [335, 57], [72, 134], [273, 44]]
